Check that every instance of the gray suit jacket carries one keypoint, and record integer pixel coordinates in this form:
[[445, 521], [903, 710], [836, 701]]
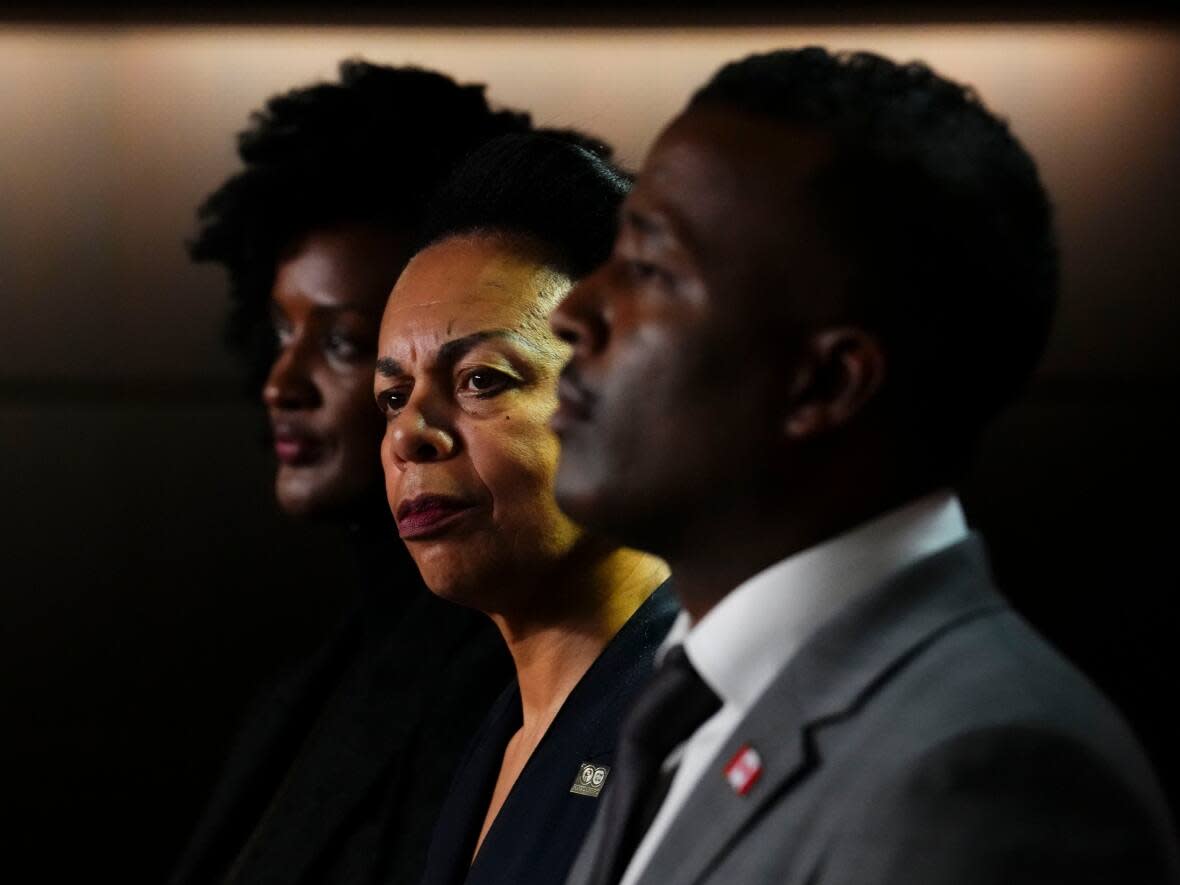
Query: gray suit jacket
[[926, 734]]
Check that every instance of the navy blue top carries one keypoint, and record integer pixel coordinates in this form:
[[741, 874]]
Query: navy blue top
[[538, 831]]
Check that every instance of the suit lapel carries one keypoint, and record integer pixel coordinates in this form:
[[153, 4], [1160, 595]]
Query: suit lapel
[[714, 813], [847, 659]]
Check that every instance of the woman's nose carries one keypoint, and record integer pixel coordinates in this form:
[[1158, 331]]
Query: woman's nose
[[417, 438], [289, 385]]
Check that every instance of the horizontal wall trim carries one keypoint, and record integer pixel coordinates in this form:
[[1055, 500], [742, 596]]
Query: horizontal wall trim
[[187, 390], [1050, 388], [568, 13]]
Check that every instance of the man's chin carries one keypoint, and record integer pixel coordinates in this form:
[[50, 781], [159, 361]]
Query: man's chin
[[580, 497], [571, 487]]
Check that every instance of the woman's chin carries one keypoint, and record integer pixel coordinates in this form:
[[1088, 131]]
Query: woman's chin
[[486, 587], [323, 493], [450, 578], [460, 592], [300, 502]]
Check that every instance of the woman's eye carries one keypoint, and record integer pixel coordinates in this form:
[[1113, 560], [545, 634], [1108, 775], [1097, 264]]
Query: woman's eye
[[391, 401], [484, 382], [341, 346]]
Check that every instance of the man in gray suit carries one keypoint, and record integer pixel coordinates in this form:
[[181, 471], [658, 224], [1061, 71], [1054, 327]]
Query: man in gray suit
[[832, 272]]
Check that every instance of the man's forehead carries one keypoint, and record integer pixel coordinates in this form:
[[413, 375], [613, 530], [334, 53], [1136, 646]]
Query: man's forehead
[[684, 166], [719, 147], [715, 170]]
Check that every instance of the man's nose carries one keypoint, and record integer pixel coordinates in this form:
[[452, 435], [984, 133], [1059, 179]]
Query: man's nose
[[581, 319]]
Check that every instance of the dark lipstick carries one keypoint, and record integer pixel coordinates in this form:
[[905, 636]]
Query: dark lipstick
[[428, 515]]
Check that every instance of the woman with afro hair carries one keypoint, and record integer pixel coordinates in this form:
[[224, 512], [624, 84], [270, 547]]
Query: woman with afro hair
[[338, 774]]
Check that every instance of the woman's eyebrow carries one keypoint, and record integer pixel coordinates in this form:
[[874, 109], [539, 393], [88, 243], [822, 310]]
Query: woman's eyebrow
[[389, 368], [343, 307], [457, 348]]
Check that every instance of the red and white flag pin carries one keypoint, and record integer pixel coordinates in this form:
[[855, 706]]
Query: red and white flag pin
[[744, 769]]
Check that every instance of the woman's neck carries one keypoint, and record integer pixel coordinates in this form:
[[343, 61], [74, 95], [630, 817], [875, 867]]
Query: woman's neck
[[553, 652], [562, 626]]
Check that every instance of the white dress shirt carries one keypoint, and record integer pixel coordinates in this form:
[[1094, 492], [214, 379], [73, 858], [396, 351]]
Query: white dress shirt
[[748, 637]]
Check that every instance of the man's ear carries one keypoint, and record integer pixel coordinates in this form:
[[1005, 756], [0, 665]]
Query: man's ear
[[838, 372]]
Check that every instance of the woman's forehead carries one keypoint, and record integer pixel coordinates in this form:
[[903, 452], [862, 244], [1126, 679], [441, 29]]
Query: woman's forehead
[[443, 312], [464, 284]]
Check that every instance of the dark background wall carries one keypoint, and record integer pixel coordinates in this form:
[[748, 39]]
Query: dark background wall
[[147, 587]]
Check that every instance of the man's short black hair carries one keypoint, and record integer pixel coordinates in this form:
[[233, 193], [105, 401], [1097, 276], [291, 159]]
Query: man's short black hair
[[370, 149], [942, 217], [556, 189]]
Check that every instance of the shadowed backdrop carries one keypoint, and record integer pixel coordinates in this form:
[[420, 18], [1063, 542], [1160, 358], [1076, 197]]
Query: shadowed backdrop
[[148, 586]]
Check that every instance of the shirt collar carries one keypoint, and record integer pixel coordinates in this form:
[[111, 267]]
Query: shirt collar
[[750, 635]]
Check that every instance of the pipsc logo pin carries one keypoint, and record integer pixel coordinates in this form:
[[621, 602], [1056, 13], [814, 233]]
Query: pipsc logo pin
[[590, 779]]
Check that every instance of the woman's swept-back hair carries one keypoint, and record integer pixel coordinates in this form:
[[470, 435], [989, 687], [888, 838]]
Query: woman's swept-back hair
[[555, 189], [370, 149]]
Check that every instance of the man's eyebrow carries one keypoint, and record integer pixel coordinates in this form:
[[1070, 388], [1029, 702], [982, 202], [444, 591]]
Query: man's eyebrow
[[661, 228], [644, 223]]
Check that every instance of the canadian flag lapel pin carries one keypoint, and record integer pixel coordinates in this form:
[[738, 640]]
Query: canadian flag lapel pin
[[744, 769]]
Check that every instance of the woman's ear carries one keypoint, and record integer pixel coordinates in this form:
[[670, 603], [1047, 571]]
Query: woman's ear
[[837, 373]]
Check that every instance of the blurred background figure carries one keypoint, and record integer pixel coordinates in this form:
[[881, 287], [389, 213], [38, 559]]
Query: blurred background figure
[[338, 773]]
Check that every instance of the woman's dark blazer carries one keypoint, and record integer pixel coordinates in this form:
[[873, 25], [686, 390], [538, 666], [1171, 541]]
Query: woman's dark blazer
[[540, 827], [338, 776]]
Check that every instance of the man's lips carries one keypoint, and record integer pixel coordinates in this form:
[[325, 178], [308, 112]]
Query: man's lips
[[574, 402], [296, 447], [429, 515]]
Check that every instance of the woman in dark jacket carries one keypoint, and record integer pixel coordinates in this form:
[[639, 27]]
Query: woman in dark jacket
[[338, 774], [467, 372]]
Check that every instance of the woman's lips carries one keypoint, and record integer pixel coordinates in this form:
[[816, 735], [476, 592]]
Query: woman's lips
[[296, 448], [430, 515]]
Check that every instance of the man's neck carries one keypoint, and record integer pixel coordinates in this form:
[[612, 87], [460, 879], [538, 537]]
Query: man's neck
[[715, 558]]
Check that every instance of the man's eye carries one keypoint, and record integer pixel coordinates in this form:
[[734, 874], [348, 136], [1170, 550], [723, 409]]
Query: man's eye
[[644, 271]]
